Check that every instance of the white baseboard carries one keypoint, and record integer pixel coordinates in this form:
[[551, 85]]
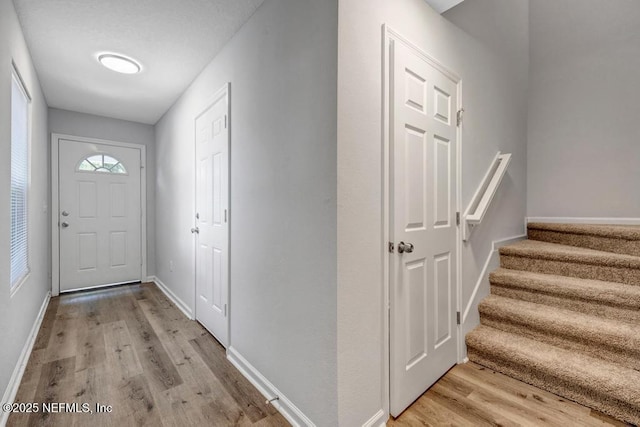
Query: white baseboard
[[496, 245], [184, 308], [581, 220], [481, 278], [269, 391], [21, 365], [378, 420]]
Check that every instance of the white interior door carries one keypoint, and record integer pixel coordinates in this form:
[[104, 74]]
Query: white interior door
[[99, 215], [212, 219], [423, 341]]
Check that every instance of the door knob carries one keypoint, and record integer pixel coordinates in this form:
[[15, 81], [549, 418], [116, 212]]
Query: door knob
[[64, 224], [65, 213], [405, 247], [195, 230]]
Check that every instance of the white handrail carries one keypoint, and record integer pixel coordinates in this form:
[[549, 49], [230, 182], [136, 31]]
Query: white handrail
[[484, 194]]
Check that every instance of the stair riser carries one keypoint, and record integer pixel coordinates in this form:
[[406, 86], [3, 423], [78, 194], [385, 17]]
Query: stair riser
[[537, 376], [607, 244], [595, 308], [577, 338], [622, 353], [628, 276]]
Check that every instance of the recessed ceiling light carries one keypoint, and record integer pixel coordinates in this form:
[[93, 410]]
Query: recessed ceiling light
[[119, 63]]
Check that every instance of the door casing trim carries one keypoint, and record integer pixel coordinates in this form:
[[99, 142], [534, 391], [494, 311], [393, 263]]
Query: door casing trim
[[55, 191], [390, 36], [224, 91]]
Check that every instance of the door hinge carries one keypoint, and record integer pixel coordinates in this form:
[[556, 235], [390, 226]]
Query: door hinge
[[459, 115], [458, 318], [457, 218], [225, 121], [225, 310], [391, 247], [225, 216]]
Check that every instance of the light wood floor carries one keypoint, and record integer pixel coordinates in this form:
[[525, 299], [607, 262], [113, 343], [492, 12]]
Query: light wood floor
[[131, 348], [471, 395]]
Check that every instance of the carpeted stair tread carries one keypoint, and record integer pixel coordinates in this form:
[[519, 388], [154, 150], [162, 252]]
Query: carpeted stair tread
[[596, 295], [621, 239], [608, 387], [624, 232], [555, 252], [550, 258], [564, 315], [602, 338]]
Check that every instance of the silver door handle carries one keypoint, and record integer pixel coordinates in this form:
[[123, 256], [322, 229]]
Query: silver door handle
[[64, 224], [65, 213], [405, 247], [195, 230]]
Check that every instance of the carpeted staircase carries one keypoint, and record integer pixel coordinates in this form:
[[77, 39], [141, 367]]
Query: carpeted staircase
[[564, 315]]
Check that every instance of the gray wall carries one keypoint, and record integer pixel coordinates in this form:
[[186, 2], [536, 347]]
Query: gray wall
[[18, 312], [282, 69], [500, 25], [495, 102], [91, 126], [584, 138]]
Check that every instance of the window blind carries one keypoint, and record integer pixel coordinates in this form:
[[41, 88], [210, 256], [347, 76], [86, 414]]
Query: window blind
[[19, 181]]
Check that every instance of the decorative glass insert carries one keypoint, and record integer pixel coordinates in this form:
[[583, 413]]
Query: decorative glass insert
[[102, 163]]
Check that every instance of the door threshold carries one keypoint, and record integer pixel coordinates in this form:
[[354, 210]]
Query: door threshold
[[92, 288]]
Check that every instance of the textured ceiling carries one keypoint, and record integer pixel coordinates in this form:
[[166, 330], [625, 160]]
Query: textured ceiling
[[172, 39]]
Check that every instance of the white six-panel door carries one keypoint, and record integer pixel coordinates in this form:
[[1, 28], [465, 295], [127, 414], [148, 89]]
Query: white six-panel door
[[99, 216], [423, 330], [212, 218]]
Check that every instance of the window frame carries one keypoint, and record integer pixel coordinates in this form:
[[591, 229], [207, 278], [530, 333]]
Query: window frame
[[97, 169], [16, 77]]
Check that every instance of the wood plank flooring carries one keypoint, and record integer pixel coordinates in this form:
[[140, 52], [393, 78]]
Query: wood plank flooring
[[471, 395], [131, 348]]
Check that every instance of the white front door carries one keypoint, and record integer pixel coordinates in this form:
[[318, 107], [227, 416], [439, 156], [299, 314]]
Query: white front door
[[212, 218], [423, 142], [99, 215]]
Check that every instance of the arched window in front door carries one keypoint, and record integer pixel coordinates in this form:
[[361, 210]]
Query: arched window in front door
[[102, 163]]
